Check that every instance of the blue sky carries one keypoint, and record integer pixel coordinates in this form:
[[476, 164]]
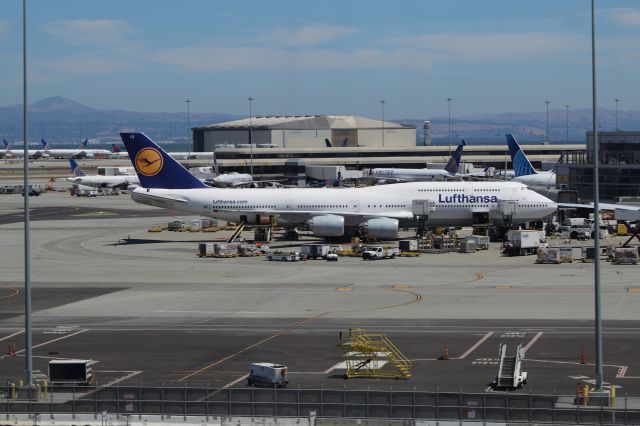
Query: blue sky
[[329, 57]]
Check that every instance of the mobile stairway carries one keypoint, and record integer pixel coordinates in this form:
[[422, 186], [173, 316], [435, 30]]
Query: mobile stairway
[[510, 374], [373, 355]]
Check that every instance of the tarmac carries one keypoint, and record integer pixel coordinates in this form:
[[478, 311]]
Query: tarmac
[[146, 309]]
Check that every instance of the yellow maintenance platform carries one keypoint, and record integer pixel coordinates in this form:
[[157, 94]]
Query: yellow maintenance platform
[[373, 355]]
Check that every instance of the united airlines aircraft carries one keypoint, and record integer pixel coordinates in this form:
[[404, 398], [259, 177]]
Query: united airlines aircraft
[[328, 212], [524, 171], [98, 181]]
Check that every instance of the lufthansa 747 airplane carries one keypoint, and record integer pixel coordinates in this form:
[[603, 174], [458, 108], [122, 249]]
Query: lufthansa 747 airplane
[[327, 212]]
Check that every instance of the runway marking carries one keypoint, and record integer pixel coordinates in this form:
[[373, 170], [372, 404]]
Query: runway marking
[[531, 342], [11, 335], [273, 336], [15, 292], [621, 372], [401, 286], [330, 369], [345, 289], [474, 347], [54, 340]]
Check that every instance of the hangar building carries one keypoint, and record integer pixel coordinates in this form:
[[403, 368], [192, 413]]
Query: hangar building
[[304, 131]]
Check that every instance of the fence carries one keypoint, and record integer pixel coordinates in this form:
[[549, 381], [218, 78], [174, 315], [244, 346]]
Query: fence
[[331, 403]]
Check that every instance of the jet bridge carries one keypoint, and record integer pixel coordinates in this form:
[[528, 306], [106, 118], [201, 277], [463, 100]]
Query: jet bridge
[[510, 374]]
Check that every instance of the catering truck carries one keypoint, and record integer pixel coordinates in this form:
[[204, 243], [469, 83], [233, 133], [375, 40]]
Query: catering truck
[[268, 374]]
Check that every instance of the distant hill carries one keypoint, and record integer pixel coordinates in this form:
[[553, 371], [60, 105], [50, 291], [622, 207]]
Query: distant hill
[[62, 120]]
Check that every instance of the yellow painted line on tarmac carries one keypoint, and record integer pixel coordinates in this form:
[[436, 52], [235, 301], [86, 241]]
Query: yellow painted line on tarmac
[[633, 289], [503, 286], [344, 289], [401, 286], [13, 292]]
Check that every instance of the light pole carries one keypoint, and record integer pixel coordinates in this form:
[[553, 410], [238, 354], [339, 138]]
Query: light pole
[[596, 208], [449, 101], [250, 99], [567, 108], [547, 134], [617, 127], [188, 101], [27, 245], [382, 102]]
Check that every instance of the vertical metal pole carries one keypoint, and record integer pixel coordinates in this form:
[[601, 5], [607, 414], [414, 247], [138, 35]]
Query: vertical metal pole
[[449, 101], [27, 247], [188, 101], [596, 208], [382, 102], [617, 127], [250, 99], [567, 107], [547, 134]]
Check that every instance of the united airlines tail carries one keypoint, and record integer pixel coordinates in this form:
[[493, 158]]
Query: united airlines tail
[[45, 144], [75, 168], [454, 161], [521, 164], [6, 144], [83, 145], [156, 168]]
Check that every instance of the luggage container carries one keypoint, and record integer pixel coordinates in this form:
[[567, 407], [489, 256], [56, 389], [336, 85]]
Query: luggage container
[[625, 256], [548, 255], [408, 245], [225, 249], [482, 241], [195, 225], [206, 250], [566, 254], [468, 245]]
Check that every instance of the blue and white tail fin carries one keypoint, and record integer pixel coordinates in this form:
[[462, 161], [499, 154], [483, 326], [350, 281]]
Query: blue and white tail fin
[[45, 144], [6, 144], [83, 145], [75, 168], [454, 162], [521, 164], [155, 168]]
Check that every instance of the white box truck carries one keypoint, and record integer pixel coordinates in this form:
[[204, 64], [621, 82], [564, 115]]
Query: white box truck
[[268, 374]]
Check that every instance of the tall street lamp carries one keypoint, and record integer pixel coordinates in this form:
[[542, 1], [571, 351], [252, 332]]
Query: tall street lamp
[[382, 102], [547, 134], [250, 99], [449, 101], [617, 127], [567, 108], [188, 101]]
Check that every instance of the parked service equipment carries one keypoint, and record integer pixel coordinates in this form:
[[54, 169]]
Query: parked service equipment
[[408, 245], [283, 257], [332, 257], [510, 374], [625, 256], [521, 242], [379, 252], [548, 255], [467, 245], [268, 374], [70, 371], [482, 241], [176, 225], [314, 251]]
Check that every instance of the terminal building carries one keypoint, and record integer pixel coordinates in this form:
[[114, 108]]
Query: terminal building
[[268, 144], [619, 170]]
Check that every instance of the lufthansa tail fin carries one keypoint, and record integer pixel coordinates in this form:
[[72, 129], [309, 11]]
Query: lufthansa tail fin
[[521, 164], [75, 168], [454, 161], [156, 168]]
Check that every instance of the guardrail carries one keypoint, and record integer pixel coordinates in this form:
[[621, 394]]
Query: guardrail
[[509, 407]]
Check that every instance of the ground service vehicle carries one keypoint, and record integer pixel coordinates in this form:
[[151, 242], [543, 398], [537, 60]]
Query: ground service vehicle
[[379, 252], [70, 371], [521, 242], [268, 374]]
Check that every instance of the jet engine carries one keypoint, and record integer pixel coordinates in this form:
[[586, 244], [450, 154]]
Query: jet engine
[[328, 225], [383, 228]]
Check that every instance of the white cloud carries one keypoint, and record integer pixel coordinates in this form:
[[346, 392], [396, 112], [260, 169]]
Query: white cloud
[[624, 16], [496, 46], [308, 35], [83, 64], [96, 32]]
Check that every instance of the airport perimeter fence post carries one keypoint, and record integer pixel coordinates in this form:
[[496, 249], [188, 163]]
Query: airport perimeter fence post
[[366, 408], [413, 412], [162, 401], [390, 402], [51, 404], [484, 406], [73, 401], [117, 400], [253, 401], [578, 410], [275, 400], [298, 401], [206, 401], [460, 404], [437, 403], [140, 401], [626, 418], [530, 406], [507, 405], [229, 399], [184, 397], [553, 408], [321, 400], [344, 400]]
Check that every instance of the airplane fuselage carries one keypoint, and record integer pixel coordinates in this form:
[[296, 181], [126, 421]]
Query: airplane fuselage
[[456, 203]]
